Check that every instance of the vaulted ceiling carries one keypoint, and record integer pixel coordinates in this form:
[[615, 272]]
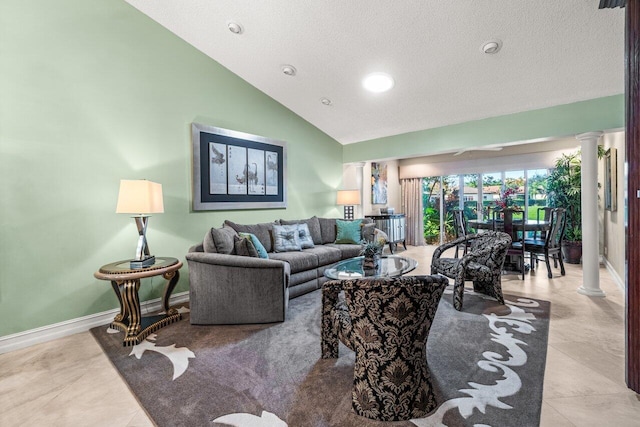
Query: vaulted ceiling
[[551, 53]]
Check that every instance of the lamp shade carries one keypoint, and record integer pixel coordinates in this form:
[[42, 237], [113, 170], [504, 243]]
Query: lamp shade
[[139, 197], [348, 197]]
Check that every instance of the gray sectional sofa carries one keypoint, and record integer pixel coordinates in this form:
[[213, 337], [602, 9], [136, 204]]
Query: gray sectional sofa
[[230, 286]]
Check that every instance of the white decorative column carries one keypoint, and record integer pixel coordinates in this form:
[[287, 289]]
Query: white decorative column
[[359, 181], [590, 247]]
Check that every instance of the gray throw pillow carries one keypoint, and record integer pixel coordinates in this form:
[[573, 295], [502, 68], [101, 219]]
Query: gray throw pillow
[[220, 240], [314, 227], [368, 231], [244, 247], [262, 231], [328, 230], [304, 235], [285, 238]]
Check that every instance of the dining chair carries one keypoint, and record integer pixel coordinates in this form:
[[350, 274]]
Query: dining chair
[[549, 247], [515, 229], [542, 214], [461, 230]]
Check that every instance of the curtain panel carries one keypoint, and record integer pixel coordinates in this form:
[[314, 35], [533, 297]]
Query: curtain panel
[[411, 193]]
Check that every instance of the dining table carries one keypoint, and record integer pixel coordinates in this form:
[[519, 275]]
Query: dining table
[[529, 225]]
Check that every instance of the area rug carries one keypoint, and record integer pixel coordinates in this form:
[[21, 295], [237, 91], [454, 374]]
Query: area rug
[[487, 364]]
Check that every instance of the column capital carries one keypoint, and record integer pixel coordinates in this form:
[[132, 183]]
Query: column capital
[[589, 136], [359, 164]]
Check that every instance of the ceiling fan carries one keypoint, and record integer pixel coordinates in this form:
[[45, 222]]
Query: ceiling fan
[[464, 150]]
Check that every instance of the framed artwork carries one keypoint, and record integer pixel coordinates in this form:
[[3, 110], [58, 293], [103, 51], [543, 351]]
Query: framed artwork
[[378, 183], [236, 170], [610, 179]]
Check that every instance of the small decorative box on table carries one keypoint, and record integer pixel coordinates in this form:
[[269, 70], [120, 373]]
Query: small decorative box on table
[[126, 283]]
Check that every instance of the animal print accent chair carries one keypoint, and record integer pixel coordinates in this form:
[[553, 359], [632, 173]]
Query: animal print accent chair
[[386, 322], [482, 264]]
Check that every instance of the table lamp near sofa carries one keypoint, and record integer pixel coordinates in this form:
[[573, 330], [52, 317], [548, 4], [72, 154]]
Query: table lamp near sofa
[[348, 198], [140, 198]]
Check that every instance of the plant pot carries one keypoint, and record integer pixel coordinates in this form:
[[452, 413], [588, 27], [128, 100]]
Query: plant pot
[[371, 262], [572, 252]]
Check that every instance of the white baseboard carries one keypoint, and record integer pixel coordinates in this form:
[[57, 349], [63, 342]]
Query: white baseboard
[[614, 274], [81, 324]]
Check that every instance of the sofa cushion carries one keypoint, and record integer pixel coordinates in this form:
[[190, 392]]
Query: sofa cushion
[[314, 227], [285, 238], [244, 247], [262, 252], [220, 240], [326, 255], [348, 251], [298, 261], [348, 231], [262, 231]]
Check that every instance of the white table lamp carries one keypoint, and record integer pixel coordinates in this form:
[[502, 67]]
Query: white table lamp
[[140, 198], [348, 198]]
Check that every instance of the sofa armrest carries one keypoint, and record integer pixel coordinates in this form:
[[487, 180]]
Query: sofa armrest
[[235, 260], [233, 289]]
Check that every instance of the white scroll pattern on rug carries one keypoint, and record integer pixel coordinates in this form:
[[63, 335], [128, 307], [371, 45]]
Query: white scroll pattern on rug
[[267, 419], [179, 357], [481, 395]]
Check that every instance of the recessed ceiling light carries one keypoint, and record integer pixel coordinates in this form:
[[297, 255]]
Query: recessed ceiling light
[[326, 101], [289, 70], [234, 27], [377, 82], [491, 47]]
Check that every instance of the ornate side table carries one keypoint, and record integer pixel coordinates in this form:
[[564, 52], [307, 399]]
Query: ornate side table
[[126, 283]]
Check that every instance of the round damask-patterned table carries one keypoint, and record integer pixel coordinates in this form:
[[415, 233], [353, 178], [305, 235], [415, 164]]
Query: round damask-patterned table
[[126, 283]]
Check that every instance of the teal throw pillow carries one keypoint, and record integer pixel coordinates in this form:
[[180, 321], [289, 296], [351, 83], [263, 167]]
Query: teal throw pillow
[[262, 252], [285, 238], [348, 231], [304, 235]]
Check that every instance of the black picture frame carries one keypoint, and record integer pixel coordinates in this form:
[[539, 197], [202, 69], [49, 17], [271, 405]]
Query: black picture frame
[[236, 170]]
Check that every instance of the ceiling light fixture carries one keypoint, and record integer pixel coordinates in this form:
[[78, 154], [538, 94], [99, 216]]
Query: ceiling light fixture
[[234, 27], [289, 70], [326, 101], [378, 82], [491, 47]]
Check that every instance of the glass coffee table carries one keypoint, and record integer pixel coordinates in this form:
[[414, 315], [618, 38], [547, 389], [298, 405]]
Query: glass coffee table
[[388, 266]]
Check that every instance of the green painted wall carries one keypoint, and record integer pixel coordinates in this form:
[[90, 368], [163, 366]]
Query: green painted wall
[[559, 121], [92, 92]]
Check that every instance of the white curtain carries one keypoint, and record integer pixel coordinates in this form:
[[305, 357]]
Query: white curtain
[[411, 191]]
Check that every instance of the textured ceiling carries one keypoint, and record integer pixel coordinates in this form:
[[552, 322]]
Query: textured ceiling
[[554, 52]]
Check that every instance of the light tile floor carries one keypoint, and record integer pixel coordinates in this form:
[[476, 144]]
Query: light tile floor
[[70, 382]]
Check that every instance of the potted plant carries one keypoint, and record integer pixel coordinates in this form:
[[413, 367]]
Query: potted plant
[[564, 191], [372, 251]]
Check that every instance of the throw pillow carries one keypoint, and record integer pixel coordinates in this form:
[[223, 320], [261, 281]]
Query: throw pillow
[[314, 227], [348, 231], [220, 240], [262, 252], [262, 231], [244, 247], [285, 238], [304, 235]]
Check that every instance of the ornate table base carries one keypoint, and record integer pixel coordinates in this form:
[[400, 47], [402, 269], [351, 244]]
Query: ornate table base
[[126, 284]]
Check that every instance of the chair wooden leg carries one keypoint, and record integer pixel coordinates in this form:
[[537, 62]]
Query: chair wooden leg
[[548, 262], [561, 264]]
